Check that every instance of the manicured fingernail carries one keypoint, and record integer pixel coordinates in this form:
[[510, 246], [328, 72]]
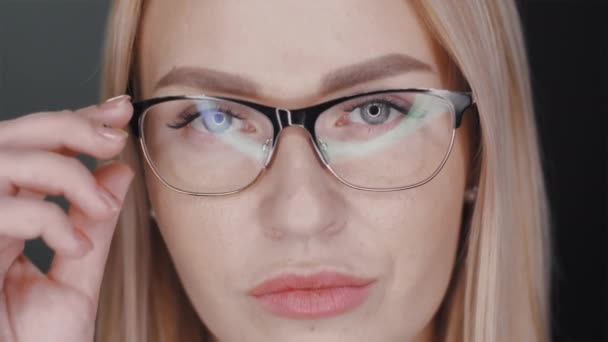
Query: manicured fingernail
[[115, 101], [112, 133], [111, 201], [83, 239], [124, 96]]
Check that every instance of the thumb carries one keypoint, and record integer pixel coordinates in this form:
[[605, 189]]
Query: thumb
[[85, 274]]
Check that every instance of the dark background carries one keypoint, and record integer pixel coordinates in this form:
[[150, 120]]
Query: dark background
[[50, 55]]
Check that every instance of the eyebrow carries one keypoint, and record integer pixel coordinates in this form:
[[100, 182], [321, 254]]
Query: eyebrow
[[346, 77]]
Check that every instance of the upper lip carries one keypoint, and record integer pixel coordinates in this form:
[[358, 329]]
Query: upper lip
[[291, 281]]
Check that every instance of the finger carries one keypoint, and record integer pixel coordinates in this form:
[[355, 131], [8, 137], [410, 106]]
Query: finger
[[85, 274], [23, 271], [71, 132], [25, 193], [10, 249], [111, 118], [27, 218], [109, 112], [54, 174], [30, 194]]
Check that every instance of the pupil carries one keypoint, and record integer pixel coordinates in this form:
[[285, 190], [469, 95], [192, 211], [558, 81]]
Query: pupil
[[373, 110], [218, 118]]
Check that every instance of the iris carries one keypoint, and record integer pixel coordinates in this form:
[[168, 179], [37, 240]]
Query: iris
[[375, 113], [216, 121]]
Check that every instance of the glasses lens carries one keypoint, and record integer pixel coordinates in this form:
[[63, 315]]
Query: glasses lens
[[206, 145], [386, 140]]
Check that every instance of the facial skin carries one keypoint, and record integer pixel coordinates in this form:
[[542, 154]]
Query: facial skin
[[298, 217]]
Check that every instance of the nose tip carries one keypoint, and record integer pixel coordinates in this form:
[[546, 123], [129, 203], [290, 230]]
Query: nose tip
[[302, 213]]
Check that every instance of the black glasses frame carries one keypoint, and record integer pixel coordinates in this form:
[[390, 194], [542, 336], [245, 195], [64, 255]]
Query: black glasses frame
[[304, 117]]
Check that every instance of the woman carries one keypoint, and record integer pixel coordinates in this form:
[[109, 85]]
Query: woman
[[336, 171]]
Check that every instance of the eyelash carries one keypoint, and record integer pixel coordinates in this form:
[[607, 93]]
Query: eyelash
[[403, 108], [185, 118]]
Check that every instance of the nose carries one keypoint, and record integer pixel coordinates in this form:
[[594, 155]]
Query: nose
[[300, 198]]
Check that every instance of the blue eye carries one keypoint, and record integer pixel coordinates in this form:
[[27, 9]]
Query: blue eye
[[216, 121]]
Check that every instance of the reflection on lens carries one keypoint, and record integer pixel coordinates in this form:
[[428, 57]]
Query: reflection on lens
[[206, 145], [386, 140]]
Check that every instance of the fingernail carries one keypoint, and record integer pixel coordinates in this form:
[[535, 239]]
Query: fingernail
[[111, 201], [112, 133], [115, 101], [83, 239]]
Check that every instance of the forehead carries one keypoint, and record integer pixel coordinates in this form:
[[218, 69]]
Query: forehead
[[287, 46]]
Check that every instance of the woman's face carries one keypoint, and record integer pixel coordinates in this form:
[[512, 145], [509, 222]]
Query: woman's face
[[298, 218]]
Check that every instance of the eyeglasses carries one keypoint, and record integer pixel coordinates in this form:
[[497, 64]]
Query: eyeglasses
[[386, 140]]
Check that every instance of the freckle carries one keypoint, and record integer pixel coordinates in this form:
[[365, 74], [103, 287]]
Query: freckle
[[312, 328]]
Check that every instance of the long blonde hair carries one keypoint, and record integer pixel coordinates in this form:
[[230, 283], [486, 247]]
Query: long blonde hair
[[499, 288]]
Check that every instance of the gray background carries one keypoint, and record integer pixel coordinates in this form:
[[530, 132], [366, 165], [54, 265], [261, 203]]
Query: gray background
[[49, 60]]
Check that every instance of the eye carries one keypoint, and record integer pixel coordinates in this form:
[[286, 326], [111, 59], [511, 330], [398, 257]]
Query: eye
[[214, 121], [375, 113]]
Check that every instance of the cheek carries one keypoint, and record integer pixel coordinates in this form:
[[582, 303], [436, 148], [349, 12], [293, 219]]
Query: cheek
[[191, 227], [418, 233]]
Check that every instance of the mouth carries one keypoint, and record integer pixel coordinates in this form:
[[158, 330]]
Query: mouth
[[318, 295]]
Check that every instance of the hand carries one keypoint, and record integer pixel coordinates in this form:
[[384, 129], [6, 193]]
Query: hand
[[37, 158]]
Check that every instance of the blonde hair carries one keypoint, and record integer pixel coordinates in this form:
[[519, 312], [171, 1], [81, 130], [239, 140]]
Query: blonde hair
[[499, 288]]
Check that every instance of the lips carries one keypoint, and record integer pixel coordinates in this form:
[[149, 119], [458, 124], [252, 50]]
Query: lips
[[314, 296]]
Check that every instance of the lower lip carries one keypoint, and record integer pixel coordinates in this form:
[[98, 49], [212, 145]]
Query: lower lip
[[317, 303]]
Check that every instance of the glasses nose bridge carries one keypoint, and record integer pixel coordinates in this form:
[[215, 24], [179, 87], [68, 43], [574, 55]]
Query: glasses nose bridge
[[289, 118], [286, 117]]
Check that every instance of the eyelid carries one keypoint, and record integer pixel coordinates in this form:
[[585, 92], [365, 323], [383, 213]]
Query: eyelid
[[186, 116], [392, 101]]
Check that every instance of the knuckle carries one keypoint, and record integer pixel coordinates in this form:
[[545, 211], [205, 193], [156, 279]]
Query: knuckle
[[47, 214], [53, 212], [66, 168], [71, 122], [79, 170], [72, 163], [62, 121], [91, 111]]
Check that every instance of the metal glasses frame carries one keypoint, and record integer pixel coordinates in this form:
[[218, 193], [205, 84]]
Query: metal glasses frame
[[302, 117]]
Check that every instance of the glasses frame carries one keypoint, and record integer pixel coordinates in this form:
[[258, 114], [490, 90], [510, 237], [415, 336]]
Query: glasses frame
[[303, 117]]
